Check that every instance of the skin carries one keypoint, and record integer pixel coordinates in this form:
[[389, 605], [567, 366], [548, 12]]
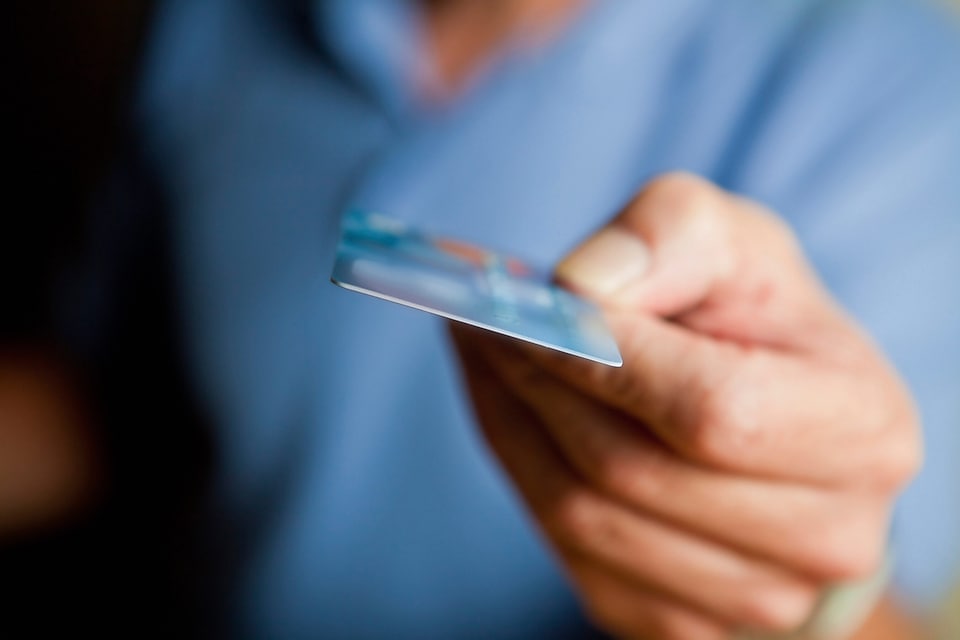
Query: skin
[[461, 34], [747, 454]]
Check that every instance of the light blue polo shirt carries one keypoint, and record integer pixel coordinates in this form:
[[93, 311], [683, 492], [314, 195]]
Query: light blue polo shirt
[[353, 498]]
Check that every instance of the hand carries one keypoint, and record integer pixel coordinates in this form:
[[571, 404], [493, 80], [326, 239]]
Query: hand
[[748, 452]]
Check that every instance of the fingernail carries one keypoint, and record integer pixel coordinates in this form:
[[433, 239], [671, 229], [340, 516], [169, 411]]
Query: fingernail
[[605, 263]]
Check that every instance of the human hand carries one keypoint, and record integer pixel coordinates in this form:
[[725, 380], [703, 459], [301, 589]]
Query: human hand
[[746, 455]]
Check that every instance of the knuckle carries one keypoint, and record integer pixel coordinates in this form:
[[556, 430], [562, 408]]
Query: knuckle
[[849, 554], [648, 480], [896, 452], [683, 194], [778, 609], [774, 231], [614, 473], [721, 423], [907, 463], [693, 203], [572, 517], [900, 461]]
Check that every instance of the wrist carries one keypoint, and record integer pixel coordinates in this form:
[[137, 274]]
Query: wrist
[[841, 609]]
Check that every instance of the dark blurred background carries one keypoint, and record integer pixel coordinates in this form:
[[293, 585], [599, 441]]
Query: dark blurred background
[[68, 69], [85, 542]]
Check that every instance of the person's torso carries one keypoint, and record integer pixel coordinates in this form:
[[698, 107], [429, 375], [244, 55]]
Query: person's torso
[[352, 497]]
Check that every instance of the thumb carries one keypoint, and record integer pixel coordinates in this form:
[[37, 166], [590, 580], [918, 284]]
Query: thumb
[[664, 253], [721, 265]]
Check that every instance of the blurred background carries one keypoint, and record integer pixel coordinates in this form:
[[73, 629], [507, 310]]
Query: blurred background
[[87, 509]]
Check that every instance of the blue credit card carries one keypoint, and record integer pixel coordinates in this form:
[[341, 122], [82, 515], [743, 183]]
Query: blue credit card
[[387, 259]]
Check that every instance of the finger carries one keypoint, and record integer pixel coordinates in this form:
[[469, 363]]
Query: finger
[[720, 383], [683, 243], [825, 533], [579, 520], [630, 611], [539, 472], [700, 573], [751, 411]]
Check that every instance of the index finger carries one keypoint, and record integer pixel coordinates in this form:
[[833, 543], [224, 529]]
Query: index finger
[[743, 409]]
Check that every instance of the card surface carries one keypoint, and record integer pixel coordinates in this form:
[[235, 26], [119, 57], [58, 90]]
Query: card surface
[[386, 259]]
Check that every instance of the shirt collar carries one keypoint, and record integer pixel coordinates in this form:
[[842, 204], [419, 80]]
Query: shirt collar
[[379, 42]]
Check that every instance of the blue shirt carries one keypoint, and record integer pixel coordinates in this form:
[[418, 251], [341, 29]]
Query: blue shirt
[[352, 496]]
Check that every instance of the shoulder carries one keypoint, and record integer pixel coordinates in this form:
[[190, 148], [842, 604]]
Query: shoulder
[[849, 88]]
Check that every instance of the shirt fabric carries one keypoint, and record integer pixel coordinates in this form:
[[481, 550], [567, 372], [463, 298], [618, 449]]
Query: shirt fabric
[[352, 497]]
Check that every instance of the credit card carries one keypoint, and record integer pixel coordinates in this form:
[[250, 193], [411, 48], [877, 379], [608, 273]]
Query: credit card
[[387, 259]]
